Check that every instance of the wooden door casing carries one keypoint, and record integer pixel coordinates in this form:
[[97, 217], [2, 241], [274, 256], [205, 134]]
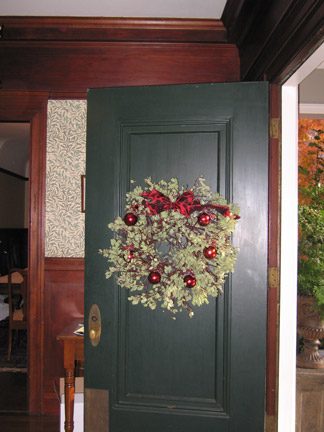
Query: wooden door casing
[[32, 107]]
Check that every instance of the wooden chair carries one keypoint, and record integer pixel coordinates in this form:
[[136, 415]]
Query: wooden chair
[[18, 313]]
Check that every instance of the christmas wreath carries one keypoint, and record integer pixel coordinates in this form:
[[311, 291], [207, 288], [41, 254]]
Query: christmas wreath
[[173, 246]]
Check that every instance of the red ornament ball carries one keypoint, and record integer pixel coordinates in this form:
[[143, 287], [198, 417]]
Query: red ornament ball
[[203, 219], [130, 219], [210, 252], [190, 281], [154, 277], [130, 255]]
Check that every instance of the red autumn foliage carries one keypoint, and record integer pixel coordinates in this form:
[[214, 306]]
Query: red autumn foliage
[[307, 130]]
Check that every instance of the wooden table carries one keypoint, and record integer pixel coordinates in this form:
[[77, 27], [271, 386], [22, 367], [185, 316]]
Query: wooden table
[[73, 350]]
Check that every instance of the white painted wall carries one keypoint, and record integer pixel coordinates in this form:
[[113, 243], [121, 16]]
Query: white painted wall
[[12, 192], [311, 90]]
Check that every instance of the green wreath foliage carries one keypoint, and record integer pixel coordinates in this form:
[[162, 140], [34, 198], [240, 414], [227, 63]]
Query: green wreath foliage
[[171, 244]]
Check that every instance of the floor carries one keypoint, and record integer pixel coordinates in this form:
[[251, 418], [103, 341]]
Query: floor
[[14, 399], [13, 407], [24, 423]]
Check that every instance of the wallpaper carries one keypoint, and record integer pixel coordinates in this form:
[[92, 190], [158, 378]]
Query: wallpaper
[[65, 159]]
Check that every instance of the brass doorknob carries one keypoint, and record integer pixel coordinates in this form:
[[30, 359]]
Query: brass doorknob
[[92, 334]]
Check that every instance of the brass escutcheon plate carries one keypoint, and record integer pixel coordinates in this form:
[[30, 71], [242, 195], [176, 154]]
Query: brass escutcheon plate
[[94, 325]]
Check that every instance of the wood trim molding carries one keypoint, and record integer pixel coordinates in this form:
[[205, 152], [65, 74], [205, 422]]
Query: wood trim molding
[[64, 264], [22, 105], [112, 29], [273, 257], [311, 108], [32, 107]]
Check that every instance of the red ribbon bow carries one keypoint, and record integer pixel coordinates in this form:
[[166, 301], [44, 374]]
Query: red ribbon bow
[[185, 204], [159, 202]]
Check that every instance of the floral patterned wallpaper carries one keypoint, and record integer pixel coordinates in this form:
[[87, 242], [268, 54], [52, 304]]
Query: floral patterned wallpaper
[[66, 146]]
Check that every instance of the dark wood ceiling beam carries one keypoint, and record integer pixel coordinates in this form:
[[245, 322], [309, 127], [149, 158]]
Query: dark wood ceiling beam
[[307, 38], [265, 26], [274, 37], [112, 29], [238, 17]]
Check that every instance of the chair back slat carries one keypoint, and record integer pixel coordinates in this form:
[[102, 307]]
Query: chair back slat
[[17, 284], [18, 277]]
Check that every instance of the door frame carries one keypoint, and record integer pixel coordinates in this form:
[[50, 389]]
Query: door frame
[[289, 243], [31, 107]]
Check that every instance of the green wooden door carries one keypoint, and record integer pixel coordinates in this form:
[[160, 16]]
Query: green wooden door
[[206, 373]]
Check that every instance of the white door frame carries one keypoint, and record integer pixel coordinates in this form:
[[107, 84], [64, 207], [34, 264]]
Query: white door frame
[[289, 246]]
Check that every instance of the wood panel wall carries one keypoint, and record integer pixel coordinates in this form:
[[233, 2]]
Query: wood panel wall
[[63, 301], [73, 68]]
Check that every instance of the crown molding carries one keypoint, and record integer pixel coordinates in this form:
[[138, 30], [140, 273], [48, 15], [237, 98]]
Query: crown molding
[[111, 29]]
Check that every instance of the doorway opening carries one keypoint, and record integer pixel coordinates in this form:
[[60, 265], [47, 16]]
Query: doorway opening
[[14, 222]]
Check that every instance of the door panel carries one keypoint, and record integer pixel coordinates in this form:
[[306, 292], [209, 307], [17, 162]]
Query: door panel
[[207, 372]]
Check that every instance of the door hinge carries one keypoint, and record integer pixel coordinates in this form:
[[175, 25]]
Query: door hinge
[[273, 276], [274, 127]]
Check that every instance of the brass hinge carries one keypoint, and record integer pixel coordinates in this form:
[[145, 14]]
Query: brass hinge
[[273, 276], [274, 127]]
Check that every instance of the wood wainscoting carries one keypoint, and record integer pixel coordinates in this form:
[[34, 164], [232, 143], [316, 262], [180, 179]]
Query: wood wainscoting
[[63, 301]]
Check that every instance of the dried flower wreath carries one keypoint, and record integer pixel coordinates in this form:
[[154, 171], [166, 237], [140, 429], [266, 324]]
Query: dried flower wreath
[[173, 246]]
